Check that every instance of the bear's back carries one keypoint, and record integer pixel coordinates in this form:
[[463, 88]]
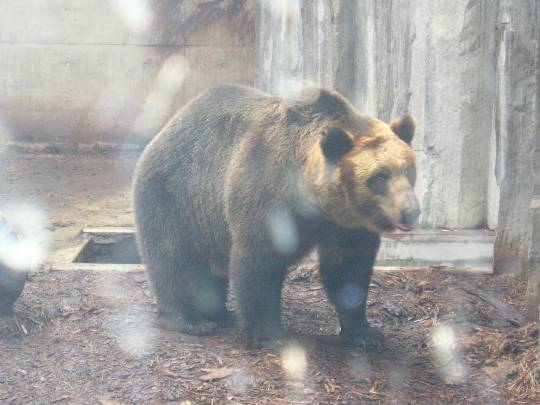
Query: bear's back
[[184, 167]]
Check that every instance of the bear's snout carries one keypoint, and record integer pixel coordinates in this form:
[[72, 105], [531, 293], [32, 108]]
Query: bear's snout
[[410, 215]]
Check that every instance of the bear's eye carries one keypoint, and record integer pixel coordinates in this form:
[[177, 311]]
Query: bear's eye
[[378, 181], [380, 178]]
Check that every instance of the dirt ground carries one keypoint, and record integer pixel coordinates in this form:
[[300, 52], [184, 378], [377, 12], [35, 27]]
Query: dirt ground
[[89, 337]]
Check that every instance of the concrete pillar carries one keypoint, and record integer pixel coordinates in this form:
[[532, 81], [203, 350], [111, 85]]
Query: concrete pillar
[[533, 262], [517, 130]]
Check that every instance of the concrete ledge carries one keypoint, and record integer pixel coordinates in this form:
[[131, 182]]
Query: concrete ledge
[[96, 267], [460, 248], [464, 251], [115, 267]]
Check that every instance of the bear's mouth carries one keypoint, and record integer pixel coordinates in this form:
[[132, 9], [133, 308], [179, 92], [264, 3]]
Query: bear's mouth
[[401, 226], [381, 219], [390, 225]]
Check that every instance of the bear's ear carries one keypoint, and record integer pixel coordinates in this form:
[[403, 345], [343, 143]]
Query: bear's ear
[[335, 143], [404, 127]]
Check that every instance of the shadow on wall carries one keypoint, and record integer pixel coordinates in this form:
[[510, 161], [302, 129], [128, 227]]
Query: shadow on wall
[[116, 73]]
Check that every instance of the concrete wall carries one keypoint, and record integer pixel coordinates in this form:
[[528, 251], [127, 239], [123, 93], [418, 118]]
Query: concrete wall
[[436, 59], [81, 71]]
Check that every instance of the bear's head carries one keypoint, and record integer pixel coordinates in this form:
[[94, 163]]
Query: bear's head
[[362, 171]]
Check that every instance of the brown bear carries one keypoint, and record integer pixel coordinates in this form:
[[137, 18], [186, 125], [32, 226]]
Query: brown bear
[[241, 184]]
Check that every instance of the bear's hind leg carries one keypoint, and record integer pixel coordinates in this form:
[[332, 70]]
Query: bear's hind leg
[[190, 300]]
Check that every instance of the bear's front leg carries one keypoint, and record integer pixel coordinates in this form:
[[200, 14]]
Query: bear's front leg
[[257, 280], [346, 264]]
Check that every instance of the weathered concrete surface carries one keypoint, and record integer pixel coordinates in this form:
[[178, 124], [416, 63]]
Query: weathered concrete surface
[[435, 59], [115, 71]]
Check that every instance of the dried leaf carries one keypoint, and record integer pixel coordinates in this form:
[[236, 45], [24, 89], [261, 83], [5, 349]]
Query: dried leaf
[[217, 373], [168, 373], [500, 371]]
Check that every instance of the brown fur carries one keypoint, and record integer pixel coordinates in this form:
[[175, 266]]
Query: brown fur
[[234, 173]]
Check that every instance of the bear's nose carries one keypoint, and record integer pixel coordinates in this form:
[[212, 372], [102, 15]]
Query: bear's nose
[[410, 215]]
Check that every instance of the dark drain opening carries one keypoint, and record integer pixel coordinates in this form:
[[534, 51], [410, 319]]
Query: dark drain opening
[[109, 249]]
